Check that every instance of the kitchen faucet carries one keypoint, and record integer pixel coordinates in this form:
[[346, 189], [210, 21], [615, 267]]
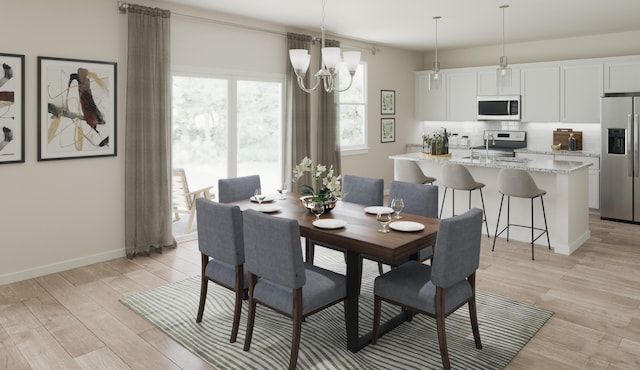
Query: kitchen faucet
[[488, 136]]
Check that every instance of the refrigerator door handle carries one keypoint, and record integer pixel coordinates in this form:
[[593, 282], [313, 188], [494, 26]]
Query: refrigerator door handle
[[630, 138], [636, 136]]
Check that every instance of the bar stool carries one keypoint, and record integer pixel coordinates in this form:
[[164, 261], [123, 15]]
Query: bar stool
[[518, 183], [458, 177]]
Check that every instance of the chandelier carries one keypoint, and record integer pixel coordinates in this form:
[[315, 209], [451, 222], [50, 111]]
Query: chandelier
[[435, 78], [328, 73], [503, 72]]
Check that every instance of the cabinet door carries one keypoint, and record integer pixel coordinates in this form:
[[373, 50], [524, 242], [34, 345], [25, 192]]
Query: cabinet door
[[622, 77], [429, 104], [488, 83], [461, 96], [581, 88], [540, 94]]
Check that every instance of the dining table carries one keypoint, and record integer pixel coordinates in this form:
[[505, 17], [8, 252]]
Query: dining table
[[357, 237]]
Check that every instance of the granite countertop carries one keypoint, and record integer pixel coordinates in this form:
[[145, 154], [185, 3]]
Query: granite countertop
[[578, 153], [533, 165]]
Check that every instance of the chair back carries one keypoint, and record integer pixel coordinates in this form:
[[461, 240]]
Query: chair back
[[363, 190], [517, 183], [273, 249], [220, 232], [180, 198], [237, 188], [418, 199], [457, 176], [457, 252]]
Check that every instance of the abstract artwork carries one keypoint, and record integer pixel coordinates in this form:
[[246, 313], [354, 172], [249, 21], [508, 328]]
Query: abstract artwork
[[76, 108], [12, 108]]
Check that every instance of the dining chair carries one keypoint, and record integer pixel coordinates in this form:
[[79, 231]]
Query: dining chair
[[420, 200], [221, 244], [237, 188], [440, 289], [366, 191], [280, 280], [183, 200]]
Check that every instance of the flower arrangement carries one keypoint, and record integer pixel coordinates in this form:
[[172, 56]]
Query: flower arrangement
[[324, 180]]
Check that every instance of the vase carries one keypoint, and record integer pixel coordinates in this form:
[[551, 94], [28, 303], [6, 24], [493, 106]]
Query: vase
[[329, 204]]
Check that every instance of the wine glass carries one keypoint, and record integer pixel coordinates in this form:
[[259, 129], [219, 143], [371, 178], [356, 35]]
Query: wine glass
[[259, 196], [282, 189], [383, 220], [397, 204], [317, 208]]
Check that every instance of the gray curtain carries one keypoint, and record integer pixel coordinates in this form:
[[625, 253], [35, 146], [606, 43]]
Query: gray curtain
[[299, 112], [148, 225], [328, 138]]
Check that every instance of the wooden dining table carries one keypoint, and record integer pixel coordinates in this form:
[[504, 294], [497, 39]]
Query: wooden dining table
[[358, 237]]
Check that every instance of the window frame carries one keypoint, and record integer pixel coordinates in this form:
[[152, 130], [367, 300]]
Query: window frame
[[364, 147]]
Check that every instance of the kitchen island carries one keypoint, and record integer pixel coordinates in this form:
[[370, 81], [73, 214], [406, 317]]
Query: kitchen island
[[566, 201]]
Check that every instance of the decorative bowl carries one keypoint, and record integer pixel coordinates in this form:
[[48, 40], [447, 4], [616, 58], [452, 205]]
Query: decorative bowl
[[556, 146], [328, 205]]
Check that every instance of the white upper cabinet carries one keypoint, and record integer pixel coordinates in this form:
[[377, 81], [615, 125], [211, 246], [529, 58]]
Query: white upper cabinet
[[581, 87], [488, 83], [461, 96], [622, 76], [430, 104], [540, 93]]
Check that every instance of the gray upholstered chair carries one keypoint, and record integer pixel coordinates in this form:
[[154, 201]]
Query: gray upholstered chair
[[237, 188], [280, 280], [356, 189], [458, 177], [518, 183], [221, 244], [439, 289]]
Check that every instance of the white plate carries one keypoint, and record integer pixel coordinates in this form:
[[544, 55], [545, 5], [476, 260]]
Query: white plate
[[329, 223], [267, 199], [406, 226], [269, 208], [378, 209]]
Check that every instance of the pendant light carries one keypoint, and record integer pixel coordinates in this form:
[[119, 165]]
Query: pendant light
[[503, 73], [330, 61], [435, 77]]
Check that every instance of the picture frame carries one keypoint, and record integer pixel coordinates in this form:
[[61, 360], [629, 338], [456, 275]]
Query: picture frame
[[12, 108], [388, 102], [77, 112], [387, 130]]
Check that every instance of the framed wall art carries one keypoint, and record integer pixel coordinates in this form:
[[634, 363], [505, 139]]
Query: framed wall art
[[76, 108], [388, 130], [388, 101], [12, 108]]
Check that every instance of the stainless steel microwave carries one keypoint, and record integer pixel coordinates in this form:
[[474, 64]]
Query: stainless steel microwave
[[499, 108]]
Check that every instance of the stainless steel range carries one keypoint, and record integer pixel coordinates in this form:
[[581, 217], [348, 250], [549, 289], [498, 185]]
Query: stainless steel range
[[498, 143]]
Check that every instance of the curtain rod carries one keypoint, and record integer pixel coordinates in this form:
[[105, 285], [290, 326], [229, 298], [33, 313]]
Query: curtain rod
[[123, 6]]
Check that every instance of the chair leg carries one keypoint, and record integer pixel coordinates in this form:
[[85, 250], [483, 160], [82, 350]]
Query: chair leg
[[544, 214], [443, 198], [484, 210], [508, 215], [237, 309], [380, 270], [203, 287], [532, 229], [497, 223], [377, 305], [442, 335], [473, 315], [297, 327], [189, 226], [453, 202], [251, 316], [310, 249]]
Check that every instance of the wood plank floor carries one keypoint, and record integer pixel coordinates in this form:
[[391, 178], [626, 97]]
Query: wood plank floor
[[73, 319]]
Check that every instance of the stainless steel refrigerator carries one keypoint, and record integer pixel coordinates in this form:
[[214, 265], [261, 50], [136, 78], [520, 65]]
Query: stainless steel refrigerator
[[619, 181]]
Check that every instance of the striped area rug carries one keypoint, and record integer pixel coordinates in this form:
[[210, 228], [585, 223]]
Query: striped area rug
[[505, 327]]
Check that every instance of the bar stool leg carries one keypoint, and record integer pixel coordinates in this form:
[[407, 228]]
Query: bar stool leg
[[443, 198], [497, 223], [486, 223], [532, 229], [508, 212], [544, 214], [453, 202]]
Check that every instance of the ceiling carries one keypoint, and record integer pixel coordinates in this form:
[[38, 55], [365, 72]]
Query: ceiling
[[409, 24]]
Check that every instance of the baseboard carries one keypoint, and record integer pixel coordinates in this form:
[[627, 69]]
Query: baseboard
[[60, 266]]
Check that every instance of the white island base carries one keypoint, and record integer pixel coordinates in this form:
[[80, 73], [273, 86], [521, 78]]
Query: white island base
[[566, 201]]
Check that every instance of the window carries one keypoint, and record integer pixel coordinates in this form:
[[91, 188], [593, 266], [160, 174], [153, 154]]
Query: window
[[227, 127], [352, 107]]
